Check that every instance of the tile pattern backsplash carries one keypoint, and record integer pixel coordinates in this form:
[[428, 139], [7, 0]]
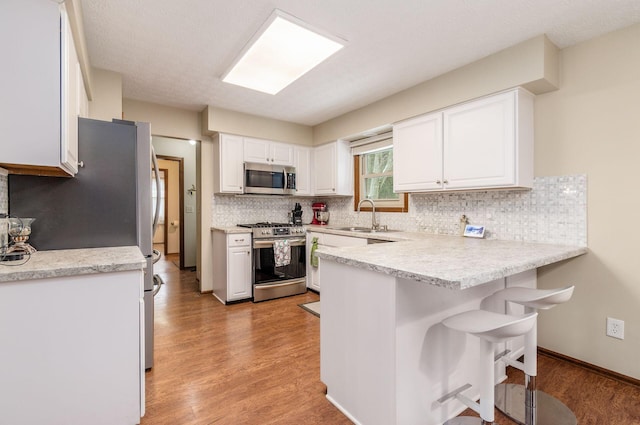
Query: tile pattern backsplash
[[4, 192], [554, 211]]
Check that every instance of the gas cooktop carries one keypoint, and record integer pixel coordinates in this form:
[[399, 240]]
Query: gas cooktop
[[267, 224]]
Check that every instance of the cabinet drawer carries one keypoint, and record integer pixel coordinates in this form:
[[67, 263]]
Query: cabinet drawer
[[239, 239]]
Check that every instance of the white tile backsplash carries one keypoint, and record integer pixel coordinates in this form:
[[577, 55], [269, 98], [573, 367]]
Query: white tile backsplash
[[554, 211]]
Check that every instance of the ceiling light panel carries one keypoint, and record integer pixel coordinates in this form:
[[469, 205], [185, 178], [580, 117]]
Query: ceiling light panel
[[281, 52]]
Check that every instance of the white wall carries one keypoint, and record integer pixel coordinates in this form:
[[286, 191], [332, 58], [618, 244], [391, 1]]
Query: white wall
[[107, 95], [591, 125]]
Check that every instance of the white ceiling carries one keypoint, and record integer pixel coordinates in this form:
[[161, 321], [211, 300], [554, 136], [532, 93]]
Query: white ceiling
[[173, 52]]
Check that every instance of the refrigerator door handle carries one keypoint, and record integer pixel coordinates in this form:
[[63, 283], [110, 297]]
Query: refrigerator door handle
[[157, 284], [156, 214]]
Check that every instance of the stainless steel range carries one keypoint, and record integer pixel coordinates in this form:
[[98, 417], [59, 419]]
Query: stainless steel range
[[282, 276]]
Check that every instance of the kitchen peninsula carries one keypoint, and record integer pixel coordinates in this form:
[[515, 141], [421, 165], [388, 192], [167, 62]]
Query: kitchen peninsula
[[385, 357]]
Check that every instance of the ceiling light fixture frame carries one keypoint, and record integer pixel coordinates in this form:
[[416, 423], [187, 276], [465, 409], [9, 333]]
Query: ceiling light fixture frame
[[277, 13]]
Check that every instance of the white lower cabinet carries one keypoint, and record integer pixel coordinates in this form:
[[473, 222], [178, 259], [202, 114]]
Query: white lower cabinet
[[231, 266], [72, 350], [481, 144], [326, 239]]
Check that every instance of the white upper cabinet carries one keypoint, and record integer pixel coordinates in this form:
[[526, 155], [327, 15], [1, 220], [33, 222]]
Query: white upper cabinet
[[333, 169], [44, 87], [228, 163], [482, 144], [417, 154], [267, 152], [302, 162]]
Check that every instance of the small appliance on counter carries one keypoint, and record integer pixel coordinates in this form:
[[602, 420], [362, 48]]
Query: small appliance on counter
[[320, 213], [296, 215]]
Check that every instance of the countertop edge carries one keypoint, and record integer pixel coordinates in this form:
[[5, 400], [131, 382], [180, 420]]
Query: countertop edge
[[340, 255], [73, 262], [230, 229]]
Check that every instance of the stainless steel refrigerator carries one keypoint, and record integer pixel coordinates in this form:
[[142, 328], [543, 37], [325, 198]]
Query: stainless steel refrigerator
[[108, 203]]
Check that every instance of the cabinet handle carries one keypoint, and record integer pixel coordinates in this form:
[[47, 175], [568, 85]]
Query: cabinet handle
[[446, 182], [438, 182], [248, 252]]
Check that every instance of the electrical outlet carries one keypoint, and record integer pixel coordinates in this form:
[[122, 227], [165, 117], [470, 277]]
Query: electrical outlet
[[615, 328]]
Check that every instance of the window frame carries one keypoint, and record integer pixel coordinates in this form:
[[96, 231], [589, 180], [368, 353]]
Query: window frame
[[358, 188]]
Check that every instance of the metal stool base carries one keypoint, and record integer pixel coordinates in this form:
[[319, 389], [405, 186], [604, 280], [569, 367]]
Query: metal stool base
[[509, 399]]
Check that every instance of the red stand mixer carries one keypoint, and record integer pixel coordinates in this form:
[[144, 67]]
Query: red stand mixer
[[320, 213]]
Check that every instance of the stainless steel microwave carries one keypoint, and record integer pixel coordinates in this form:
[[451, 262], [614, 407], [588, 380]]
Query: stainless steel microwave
[[269, 179]]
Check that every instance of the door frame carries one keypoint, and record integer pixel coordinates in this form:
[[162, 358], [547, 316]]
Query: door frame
[[180, 161], [165, 172]]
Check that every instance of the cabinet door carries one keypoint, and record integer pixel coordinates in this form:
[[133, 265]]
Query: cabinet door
[[479, 143], [281, 154], [324, 161], [239, 273], [231, 164], [30, 83], [256, 150], [302, 162], [313, 273], [417, 154], [71, 90]]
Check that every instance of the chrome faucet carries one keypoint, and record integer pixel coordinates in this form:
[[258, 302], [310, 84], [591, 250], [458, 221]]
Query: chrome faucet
[[374, 225]]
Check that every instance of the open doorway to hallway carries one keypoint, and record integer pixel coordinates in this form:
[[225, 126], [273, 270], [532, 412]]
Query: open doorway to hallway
[[176, 235]]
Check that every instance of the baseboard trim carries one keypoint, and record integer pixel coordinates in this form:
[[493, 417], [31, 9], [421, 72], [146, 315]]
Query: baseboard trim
[[596, 369]]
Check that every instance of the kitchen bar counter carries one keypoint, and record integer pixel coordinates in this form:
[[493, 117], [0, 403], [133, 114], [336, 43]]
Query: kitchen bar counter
[[71, 262], [385, 357], [450, 261]]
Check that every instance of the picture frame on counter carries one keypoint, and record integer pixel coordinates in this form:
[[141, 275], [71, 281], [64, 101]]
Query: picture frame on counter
[[473, 231]]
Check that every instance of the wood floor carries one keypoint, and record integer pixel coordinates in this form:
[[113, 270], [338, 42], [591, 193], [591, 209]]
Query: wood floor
[[260, 364]]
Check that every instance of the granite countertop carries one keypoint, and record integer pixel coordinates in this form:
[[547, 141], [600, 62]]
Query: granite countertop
[[230, 229], [71, 262], [450, 261]]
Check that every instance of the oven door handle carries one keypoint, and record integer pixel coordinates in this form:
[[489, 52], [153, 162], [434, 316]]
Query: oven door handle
[[278, 285], [269, 243]]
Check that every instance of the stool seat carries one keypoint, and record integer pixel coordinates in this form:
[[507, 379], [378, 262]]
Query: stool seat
[[494, 327], [540, 299]]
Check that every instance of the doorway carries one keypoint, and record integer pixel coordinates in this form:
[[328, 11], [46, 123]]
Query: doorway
[[179, 158], [173, 223]]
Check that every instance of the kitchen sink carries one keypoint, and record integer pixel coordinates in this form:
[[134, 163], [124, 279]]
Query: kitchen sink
[[355, 229], [364, 230]]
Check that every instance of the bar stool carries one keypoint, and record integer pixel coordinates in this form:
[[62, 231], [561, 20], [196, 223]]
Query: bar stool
[[524, 403], [491, 328]]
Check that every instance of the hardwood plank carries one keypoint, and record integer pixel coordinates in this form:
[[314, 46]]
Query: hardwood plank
[[260, 364]]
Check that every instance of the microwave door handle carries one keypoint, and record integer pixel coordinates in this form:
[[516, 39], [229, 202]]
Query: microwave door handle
[[285, 179]]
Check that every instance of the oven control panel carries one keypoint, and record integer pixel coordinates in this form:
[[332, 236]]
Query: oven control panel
[[278, 231]]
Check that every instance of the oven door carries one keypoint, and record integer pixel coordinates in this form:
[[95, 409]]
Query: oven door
[[270, 281]]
